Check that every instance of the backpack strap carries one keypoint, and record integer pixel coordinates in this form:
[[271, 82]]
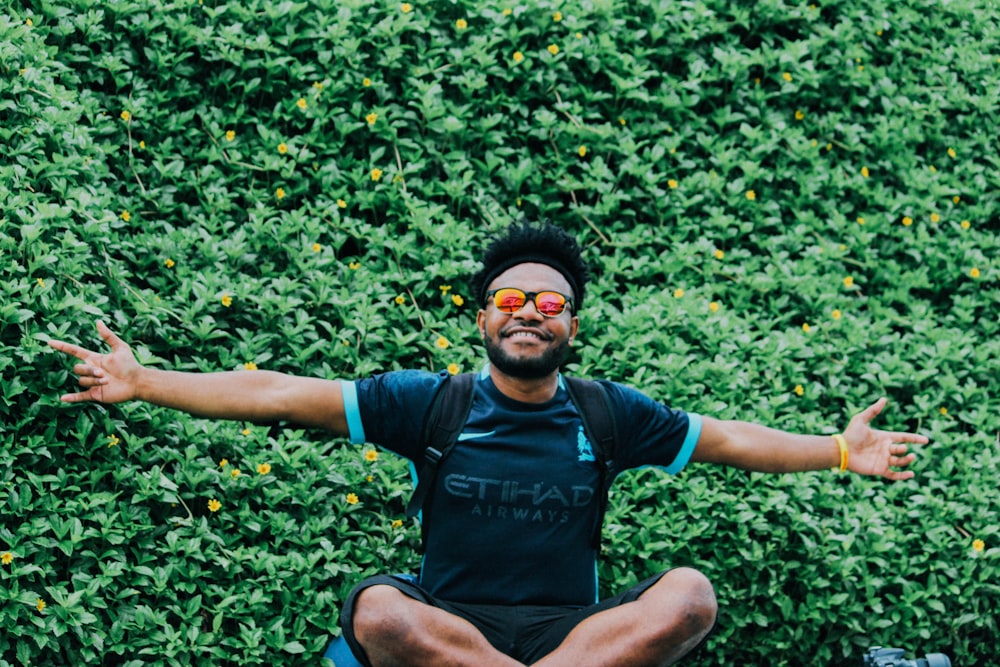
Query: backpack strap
[[592, 402], [449, 409]]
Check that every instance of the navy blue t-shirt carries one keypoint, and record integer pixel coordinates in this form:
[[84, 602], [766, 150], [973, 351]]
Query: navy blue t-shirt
[[512, 514]]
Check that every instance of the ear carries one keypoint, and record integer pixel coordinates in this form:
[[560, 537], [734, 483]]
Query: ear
[[481, 323], [574, 327]]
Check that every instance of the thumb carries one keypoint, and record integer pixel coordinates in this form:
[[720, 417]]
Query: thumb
[[109, 336]]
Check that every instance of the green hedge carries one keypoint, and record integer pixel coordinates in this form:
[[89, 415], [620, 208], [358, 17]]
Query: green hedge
[[791, 209]]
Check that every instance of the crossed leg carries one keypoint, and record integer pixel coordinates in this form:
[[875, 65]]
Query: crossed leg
[[663, 624]]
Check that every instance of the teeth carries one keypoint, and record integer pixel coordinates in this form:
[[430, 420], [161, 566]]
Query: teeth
[[524, 334]]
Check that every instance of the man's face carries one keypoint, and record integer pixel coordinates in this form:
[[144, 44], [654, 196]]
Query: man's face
[[525, 343]]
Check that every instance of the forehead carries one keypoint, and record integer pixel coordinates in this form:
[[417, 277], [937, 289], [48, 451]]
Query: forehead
[[532, 277]]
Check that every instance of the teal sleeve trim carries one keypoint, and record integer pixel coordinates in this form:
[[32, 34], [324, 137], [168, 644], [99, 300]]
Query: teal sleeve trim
[[352, 412], [687, 447]]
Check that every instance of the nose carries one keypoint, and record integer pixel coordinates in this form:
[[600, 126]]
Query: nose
[[529, 311]]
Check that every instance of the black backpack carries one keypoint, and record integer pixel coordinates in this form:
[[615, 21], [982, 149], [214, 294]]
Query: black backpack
[[450, 409]]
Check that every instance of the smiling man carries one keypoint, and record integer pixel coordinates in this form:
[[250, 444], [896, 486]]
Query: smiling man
[[508, 576]]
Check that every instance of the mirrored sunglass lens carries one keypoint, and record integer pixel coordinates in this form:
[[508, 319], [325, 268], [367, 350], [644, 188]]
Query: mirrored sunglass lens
[[509, 300], [550, 303]]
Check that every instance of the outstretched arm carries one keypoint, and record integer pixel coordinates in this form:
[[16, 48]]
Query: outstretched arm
[[759, 448], [260, 396]]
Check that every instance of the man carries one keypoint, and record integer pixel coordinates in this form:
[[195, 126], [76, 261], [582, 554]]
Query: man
[[508, 576]]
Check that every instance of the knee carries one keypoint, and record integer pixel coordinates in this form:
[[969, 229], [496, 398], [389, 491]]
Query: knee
[[694, 593], [379, 613]]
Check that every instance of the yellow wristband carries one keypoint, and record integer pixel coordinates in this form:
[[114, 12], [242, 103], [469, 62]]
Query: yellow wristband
[[842, 444]]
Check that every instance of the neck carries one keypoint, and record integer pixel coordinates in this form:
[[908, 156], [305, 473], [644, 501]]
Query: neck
[[525, 390]]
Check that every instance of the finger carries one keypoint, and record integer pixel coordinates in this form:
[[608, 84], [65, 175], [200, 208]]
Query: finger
[[79, 397], [873, 410], [914, 438], [109, 336], [72, 350], [899, 475], [88, 370]]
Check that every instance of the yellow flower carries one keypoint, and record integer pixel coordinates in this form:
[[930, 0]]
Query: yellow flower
[[978, 545], [553, 49], [398, 523], [799, 115], [282, 148], [956, 199], [943, 411], [371, 118], [518, 56], [126, 116], [974, 272], [457, 300], [786, 76], [406, 8], [341, 203], [280, 193], [719, 254], [453, 369], [371, 455], [246, 431], [369, 479], [226, 300], [7, 558], [557, 17], [317, 85], [29, 22], [835, 314], [622, 121], [40, 605], [678, 293], [806, 327], [41, 282], [250, 366], [169, 263], [861, 220], [444, 288], [354, 266], [317, 247], [230, 135], [400, 300], [126, 216], [235, 472], [442, 343], [214, 505], [352, 499], [672, 184], [301, 103], [907, 221], [966, 224], [864, 171], [366, 82], [461, 24], [952, 153], [113, 440], [376, 174], [507, 11], [751, 195], [263, 468], [849, 281], [223, 463], [799, 390], [714, 306], [935, 218], [142, 146], [582, 150]]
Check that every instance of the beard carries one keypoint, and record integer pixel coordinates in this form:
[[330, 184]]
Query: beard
[[530, 368]]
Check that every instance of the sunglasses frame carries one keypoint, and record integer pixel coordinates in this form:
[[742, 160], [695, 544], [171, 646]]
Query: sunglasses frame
[[531, 296]]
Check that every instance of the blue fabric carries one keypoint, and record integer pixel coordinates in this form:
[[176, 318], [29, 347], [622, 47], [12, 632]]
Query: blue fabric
[[514, 506]]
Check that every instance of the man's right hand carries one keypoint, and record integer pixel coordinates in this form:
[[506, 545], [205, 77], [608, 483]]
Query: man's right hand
[[106, 378]]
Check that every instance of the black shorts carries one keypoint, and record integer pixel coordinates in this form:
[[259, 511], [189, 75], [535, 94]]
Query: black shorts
[[526, 633]]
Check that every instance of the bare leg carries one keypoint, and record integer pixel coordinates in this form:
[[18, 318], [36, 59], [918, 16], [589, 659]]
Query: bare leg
[[666, 622], [396, 630]]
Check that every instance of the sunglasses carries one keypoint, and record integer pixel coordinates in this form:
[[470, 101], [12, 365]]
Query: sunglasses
[[548, 303]]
